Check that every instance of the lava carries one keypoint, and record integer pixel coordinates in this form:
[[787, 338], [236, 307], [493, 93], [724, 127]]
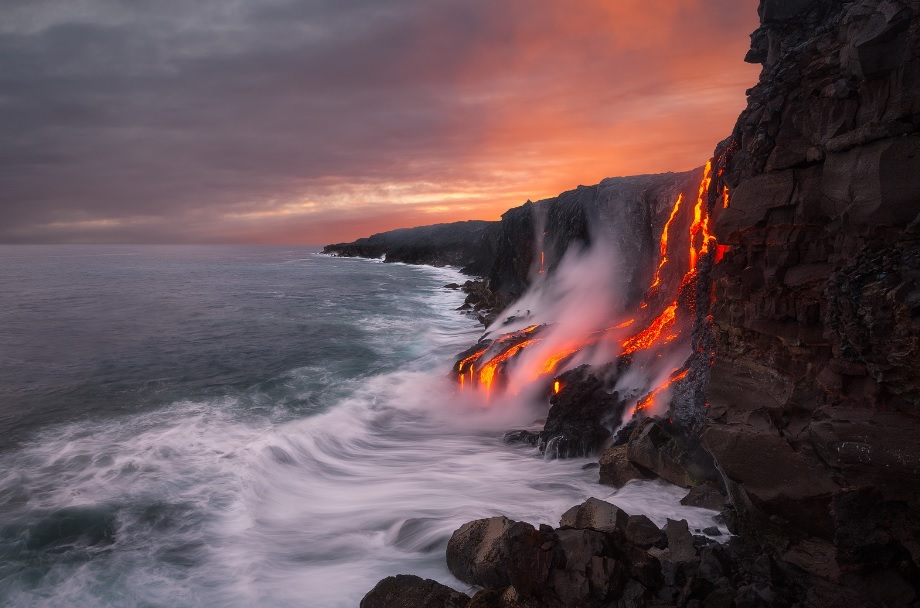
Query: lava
[[484, 366], [646, 401], [648, 336], [700, 221], [487, 372], [549, 365], [664, 244], [475, 356]]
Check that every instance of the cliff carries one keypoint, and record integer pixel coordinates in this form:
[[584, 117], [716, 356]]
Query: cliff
[[798, 411], [469, 245], [624, 212], [813, 393]]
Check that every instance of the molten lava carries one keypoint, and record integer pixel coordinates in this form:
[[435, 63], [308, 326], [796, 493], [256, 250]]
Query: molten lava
[[487, 372], [700, 226], [664, 244], [646, 401], [484, 366], [651, 334], [549, 365], [471, 358]]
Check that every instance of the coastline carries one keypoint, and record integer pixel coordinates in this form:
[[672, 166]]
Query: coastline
[[796, 411]]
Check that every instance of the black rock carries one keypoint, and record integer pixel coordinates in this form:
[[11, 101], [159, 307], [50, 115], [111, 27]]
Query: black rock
[[408, 591]]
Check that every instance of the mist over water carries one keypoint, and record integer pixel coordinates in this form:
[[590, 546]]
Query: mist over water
[[249, 426]]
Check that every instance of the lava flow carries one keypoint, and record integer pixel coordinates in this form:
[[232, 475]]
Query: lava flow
[[487, 364]]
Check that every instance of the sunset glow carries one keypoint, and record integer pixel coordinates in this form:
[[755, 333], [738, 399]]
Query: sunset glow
[[324, 124]]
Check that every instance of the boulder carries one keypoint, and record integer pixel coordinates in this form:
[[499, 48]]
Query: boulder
[[678, 560], [591, 574], [790, 486], [615, 468], [670, 456], [477, 553], [408, 591], [581, 414], [594, 513], [533, 555], [705, 496], [642, 532]]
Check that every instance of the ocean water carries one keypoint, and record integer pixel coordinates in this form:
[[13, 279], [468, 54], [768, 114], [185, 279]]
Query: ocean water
[[249, 426]]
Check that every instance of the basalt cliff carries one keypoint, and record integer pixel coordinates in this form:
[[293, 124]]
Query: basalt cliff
[[796, 296]]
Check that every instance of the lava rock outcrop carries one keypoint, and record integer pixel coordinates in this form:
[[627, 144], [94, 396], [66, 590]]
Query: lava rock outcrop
[[814, 403]]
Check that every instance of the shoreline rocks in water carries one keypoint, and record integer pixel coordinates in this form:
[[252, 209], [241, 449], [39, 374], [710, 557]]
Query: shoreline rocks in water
[[601, 557]]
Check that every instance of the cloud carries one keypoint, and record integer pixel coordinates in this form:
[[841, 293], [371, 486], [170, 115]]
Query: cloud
[[317, 121]]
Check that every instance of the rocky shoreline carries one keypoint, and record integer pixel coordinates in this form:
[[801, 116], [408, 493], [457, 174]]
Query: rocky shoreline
[[799, 422]]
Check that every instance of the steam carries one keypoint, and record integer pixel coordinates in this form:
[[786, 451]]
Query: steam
[[576, 303], [575, 313]]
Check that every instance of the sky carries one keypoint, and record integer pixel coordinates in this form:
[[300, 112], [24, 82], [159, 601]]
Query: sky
[[320, 121]]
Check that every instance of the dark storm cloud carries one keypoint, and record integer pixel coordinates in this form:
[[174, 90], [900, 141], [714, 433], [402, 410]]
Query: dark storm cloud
[[264, 120]]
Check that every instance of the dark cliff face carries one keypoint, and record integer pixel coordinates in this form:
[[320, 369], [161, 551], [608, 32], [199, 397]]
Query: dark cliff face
[[626, 213], [469, 245], [817, 304]]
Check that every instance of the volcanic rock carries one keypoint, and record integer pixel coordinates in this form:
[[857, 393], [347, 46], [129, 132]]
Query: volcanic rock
[[673, 457], [594, 513], [469, 245], [642, 532], [525, 437], [477, 553], [408, 591], [706, 496], [615, 468], [814, 393], [581, 415]]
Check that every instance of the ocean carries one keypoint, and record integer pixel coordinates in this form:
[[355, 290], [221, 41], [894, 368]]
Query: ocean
[[250, 426]]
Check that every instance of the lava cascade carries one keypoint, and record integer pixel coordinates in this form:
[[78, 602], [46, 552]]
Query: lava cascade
[[484, 368]]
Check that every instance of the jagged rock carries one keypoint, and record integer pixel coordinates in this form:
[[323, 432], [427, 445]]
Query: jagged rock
[[678, 559], [526, 437], [815, 313], [706, 496], [533, 554], [789, 487], [642, 532], [591, 574], [470, 245], [580, 415], [671, 457], [477, 552], [408, 591], [594, 513], [680, 541], [615, 468]]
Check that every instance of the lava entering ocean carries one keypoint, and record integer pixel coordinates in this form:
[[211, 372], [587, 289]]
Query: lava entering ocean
[[665, 318]]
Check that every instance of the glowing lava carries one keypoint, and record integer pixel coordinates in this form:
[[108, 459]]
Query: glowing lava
[[700, 224], [648, 336], [664, 244], [646, 401], [483, 367], [487, 372]]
